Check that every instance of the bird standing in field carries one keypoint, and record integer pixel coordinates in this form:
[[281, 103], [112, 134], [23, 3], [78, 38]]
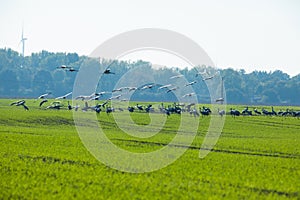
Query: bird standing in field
[[85, 97], [257, 112], [221, 112]]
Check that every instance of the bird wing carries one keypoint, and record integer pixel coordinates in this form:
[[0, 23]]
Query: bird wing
[[42, 102], [13, 103], [68, 94]]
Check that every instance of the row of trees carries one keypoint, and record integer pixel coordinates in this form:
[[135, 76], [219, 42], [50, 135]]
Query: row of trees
[[33, 75]]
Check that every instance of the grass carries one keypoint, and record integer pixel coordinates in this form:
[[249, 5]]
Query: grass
[[42, 157]]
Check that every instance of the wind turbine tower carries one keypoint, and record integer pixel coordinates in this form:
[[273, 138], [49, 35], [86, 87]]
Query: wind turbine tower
[[222, 89], [23, 42]]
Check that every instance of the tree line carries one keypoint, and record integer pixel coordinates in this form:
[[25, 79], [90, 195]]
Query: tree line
[[30, 76]]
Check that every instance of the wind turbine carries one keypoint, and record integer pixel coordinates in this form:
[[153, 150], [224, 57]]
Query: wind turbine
[[221, 99], [23, 42]]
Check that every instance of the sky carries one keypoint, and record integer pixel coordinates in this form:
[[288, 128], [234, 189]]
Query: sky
[[241, 34]]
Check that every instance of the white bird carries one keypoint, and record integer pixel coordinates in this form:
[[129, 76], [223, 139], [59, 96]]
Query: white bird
[[132, 88], [165, 86], [220, 99], [20, 103], [64, 96], [172, 89], [118, 89], [101, 93], [83, 97], [62, 67], [189, 94], [43, 96], [94, 98], [148, 86], [177, 76], [210, 77], [115, 97], [191, 83]]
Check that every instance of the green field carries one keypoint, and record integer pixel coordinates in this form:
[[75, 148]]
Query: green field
[[42, 157]]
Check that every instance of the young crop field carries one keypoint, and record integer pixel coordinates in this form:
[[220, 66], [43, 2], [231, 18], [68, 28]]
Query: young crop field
[[43, 157]]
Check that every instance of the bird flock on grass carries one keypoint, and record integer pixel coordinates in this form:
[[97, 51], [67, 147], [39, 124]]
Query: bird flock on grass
[[174, 108]]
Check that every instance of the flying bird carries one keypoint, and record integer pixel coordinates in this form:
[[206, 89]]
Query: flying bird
[[72, 70], [191, 83], [64, 96], [62, 67], [95, 96], [165, 86], [208, 78], [177, 76], [115, 97], [118, 89], [43, 96], [101, 93], [189, 94], [172, 89], [83, 97], [108, 71], [132, 89], [220, 99], [42, 102], [148, 86], [20, 103]]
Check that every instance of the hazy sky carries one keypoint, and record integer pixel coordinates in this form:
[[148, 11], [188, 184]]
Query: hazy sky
[[249, 34]]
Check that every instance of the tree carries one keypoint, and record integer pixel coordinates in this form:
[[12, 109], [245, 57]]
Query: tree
[[9, 84], [42, 82], [39, 73], [270, 96]]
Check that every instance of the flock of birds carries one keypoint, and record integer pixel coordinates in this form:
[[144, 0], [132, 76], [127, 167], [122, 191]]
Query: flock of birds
[[175, 108], [246, 111], [96, 96]]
